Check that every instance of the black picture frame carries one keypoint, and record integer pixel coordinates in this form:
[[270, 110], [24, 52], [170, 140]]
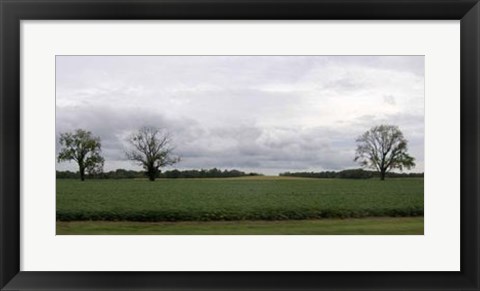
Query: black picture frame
[[13, 11]]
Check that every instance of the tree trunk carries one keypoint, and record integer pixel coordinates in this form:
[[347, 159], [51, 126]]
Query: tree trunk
[[382, 175], [82, 174], [152, 173]]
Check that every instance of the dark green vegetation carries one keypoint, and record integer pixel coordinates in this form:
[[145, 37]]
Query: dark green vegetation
[[383, 148], [350, 174], [370, 226], [152, 149], [174, 174], [249, 198], [84, 149]]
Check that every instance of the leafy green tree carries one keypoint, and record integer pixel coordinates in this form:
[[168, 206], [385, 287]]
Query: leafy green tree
[[383, 148], [151, 148], [83, 148]]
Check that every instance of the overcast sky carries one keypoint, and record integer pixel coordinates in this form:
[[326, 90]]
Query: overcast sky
[[266, 114]]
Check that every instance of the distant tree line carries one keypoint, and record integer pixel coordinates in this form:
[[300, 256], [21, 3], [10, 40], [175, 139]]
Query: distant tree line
[[351, 174], [171, 174], [212, 173]]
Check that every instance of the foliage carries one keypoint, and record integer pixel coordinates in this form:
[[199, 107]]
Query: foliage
[[325, 174], [350, 174], [151, 148], [172, 174], [383, 148], [355, 174], [212, 173], [67, 175], [247, 198], [83, 148]]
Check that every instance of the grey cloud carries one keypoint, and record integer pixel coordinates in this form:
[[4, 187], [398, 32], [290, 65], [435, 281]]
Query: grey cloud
[[110, 125], [409, 64], [251, 113], [300, 150], [389, 99], [234, 146]]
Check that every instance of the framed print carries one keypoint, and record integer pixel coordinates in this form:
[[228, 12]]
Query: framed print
[[238, 145]]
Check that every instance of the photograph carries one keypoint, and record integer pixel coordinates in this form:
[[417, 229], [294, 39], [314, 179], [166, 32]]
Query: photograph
[[239, 145]]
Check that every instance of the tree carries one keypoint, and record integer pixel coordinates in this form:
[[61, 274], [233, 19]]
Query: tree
[[151, 148], [383, 148], [83, 148]]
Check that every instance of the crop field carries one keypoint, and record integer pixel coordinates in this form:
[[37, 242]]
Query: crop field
[[237, 199]]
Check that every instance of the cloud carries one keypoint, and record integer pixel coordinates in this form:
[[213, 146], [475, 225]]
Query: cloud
[[265, 114], [389, 99]]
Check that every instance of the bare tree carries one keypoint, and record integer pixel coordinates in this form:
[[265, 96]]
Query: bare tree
[[83, 148], [151, 148], [383, 148]]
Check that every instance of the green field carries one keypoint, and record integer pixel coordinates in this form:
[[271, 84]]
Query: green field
[[350, 226], [237, 199]]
